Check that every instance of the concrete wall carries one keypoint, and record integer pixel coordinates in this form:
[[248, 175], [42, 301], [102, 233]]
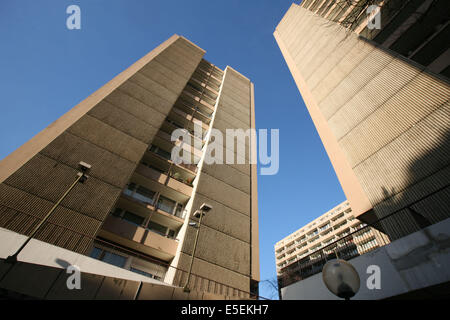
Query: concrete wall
[[226, 241], [383, 119], [41, 274], [414, 262], [110, 130]]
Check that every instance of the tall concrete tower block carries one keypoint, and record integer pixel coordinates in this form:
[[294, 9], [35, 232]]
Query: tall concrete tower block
[[135, 210], [379, 98]]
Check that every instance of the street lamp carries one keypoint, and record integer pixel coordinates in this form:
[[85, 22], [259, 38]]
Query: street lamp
[[204, 208], [341, 278], [81, 177]]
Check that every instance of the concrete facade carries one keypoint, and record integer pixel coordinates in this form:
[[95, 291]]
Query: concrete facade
[[409, 264], [379, 100], [137, 203], [382, 117], [329, 227]]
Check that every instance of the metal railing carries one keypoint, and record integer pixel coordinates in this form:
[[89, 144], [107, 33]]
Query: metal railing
[[364, 239]]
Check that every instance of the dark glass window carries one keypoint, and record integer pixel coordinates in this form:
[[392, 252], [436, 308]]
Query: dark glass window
[[166, 204], [95, 253], [133, 218], [156, 227], [141, 272], [114, 259]]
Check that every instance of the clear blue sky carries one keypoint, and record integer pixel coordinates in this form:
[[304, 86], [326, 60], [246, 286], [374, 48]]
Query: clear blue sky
[[46, 69]]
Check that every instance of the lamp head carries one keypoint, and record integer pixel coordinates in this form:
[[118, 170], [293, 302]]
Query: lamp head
[[341, 278], [197, 213], [84, 167], [205, 207]]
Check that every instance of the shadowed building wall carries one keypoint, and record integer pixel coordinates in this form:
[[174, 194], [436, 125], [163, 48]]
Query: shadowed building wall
[[382, 116]]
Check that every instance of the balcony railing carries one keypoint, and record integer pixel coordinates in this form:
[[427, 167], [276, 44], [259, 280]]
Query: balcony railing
[[396, 225]]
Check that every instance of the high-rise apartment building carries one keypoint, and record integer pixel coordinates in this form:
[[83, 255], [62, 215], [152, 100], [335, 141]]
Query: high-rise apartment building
[[302, 248], [136, 209], [375, 82], [380, 107]]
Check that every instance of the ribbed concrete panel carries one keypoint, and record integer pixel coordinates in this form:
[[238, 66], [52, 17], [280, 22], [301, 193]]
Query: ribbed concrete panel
[[292, 41], [108, 138], [391, 79], [235, 87], [154, 87], [300, 49], [225, 219], [135, 90], [418, 99], [213, 272], [227, 120], [123, 121], [287, 19], [421, 190], [317, 37], [234, 109], [397, 165], [346, 65], [240, 163], [164, 75], [224, 193], [229, 175], [234, 253], [51, 179], [239, 96], [436, 206], [335, 50], [69, 149], [136, 107], [358, 77]]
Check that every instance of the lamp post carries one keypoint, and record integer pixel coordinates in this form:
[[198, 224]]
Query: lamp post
[[204, 208], [341, 278], [81, 177]]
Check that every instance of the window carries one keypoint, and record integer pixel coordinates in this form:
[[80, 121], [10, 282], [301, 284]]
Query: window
[[156, 227], [133, 218], [140, 193], [108, 257], [117, 212], [171, 234], [163, 153], [114, 259], [95, 253], [141, 272], [162, 230], [179, 211], [128, 216], [166, 204], [144, 194]]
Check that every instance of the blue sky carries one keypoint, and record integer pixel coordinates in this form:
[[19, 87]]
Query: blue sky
[[47, 69]]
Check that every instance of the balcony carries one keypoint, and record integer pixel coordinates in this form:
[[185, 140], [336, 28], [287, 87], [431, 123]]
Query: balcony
[[161, 156], [188, 119], [173, 219], [164, 179], [201, 76], [163, 140], [191, 98], [138, 238], [170, 126], [205, 85]]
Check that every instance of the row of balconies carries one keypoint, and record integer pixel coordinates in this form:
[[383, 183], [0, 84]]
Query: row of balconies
[[313, 238], [150, 212]]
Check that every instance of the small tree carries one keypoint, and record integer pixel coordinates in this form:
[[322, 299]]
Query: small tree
[[272, 287]]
